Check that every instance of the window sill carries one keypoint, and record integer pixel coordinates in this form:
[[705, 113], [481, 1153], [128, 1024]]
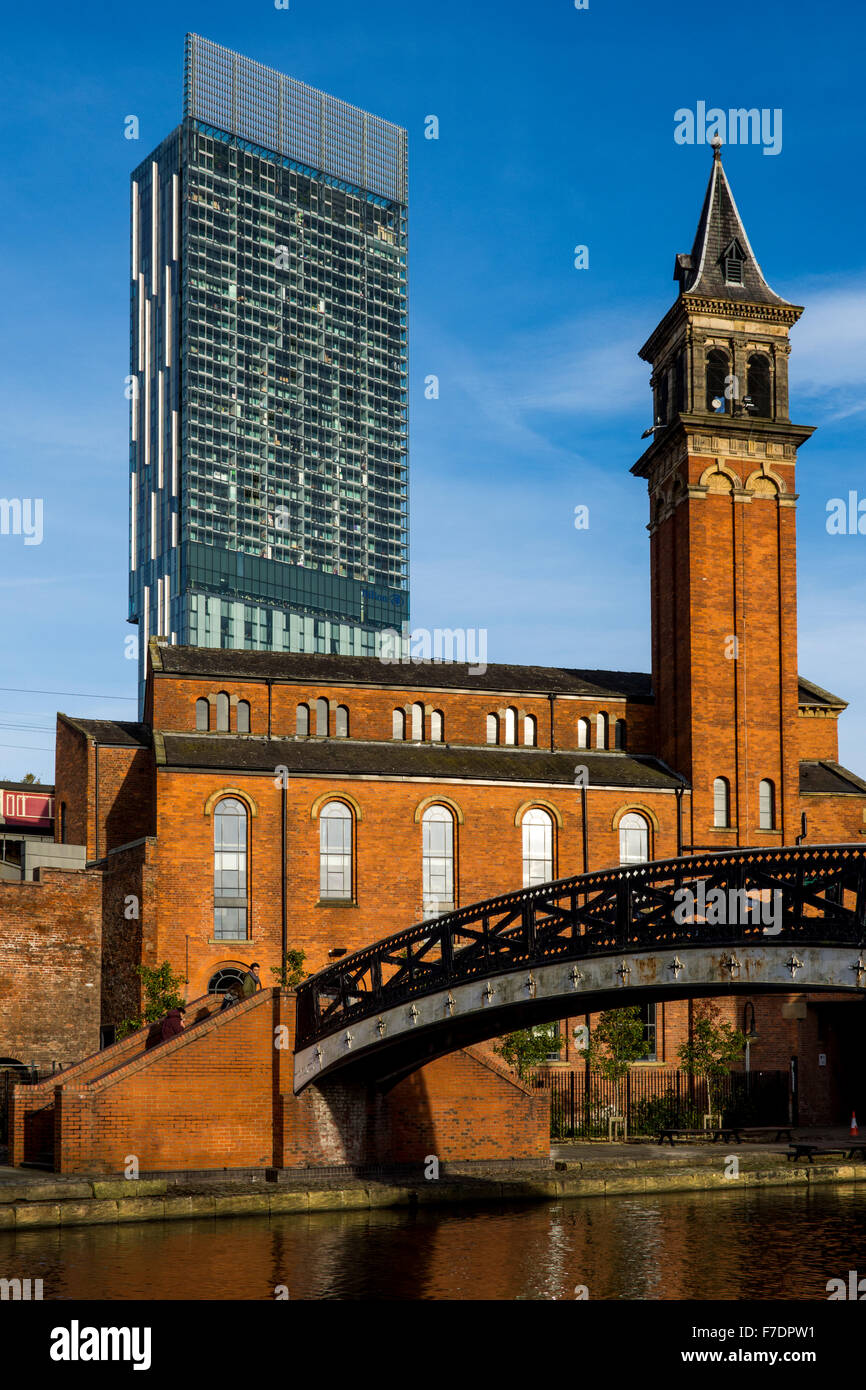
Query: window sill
[[336, 902], [228, 940]]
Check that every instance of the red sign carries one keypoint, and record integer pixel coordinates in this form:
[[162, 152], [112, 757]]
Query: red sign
[[28, 808]]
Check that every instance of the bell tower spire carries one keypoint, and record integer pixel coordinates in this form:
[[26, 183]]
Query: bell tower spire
[[720, 474]]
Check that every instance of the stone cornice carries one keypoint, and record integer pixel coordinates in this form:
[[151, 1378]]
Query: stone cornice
[[687, 305]]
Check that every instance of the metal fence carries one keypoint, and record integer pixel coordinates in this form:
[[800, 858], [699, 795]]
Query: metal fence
[[581, 1104]]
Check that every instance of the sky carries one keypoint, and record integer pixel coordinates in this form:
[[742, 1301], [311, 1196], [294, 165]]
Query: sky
[[556, 129]]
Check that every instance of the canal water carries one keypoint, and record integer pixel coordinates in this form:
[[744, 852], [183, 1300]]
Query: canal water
[[750, 1245]]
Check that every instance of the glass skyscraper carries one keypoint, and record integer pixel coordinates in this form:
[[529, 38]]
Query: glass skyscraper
[[268, 385]]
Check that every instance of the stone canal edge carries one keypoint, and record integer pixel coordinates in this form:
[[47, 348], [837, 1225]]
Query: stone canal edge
[[32, 1203]]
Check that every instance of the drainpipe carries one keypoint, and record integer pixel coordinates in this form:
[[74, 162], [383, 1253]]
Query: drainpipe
[[679, 821], [270, 693], [552, 699], [95, 800], [284, 873]]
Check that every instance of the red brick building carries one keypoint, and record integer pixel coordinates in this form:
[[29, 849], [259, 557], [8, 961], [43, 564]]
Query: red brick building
[[321, 802]]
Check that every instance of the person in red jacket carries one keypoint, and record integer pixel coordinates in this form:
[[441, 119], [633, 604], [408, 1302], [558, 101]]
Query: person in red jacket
[[172, 1024]]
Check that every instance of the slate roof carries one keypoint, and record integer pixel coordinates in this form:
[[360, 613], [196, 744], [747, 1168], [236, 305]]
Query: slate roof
[[115, 733], [702, 272], [352, 757], [811, 694], [830, 777]]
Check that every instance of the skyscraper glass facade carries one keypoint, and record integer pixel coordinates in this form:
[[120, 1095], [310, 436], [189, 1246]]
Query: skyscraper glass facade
[[269, 487]]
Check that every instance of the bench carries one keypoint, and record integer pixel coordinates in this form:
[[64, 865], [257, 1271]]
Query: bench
[[809, 1148], [782, 1132], [725, 1132]]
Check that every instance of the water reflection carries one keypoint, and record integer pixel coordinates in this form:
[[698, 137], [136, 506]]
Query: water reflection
[[731, 1245]]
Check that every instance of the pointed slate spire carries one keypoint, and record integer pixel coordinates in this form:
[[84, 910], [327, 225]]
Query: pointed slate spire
[[722, 264]]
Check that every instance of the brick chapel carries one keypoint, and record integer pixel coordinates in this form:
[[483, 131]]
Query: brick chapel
[[326, 801]]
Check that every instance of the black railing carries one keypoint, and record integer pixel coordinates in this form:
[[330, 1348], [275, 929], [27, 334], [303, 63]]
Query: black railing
[[653, 1099], [821, 900]]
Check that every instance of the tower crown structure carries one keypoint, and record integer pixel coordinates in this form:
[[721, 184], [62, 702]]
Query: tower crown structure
[[720, 473]]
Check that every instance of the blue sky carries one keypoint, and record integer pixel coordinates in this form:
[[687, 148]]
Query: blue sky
[[556, 129]]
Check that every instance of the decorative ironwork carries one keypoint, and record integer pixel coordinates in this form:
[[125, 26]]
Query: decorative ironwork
[[676, 966], [639, 907]]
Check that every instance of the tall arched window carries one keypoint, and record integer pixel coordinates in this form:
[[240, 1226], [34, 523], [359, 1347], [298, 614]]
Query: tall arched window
[[418, 722], [721, 803], [398, 724], [321, 718], [341, 725], [202, 714], [633, 839], [492, 728], [530, 731], [758, 384], [230, 870], [717, 369], [537, 847], [601, 731], [511, 725], [584, 733], [302, 721], [767, 805], [335, 851], [243, 716], [619, 734], [437, 726], [437, 863], [222, 721]]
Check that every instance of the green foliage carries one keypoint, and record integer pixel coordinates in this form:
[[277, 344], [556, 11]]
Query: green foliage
[[290, 974], [712, 1050], [529, 1047], [161, 993], [667, 1111]]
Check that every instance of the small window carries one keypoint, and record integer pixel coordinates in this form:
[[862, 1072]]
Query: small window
[[302, 721], [492, 728], [721, 803], [717, 370], [537, 830], [511, 725], [321, 719], [650, 1031], [530, 731], [418, 722], [398, 724], [633, 839], [619, 734], [437, 726], [733, 263], [335, 851], [584, 733], [243, 716], [601, 731], [202, 715], [222, 712], [767, 806], [341, 725]]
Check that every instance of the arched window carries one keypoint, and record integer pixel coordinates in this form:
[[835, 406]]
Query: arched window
[[530, 731], [601, 731], [228, 979], [202, 715], [243, 716], [633, 839], [537, 847], [418, 722], [321, 718], [341, 727], [619, 734], [493, 728], [335, 851], [437, 726], [222, 713], [511, 725], [717, 370], [437, 862], [584, 733], [398, 724], [721, 803], [767, 805], [302, 721], [758, 385], [230, 870]]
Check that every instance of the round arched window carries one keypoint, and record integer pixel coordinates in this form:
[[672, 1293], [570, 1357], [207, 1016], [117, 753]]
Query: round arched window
[[633, 839]]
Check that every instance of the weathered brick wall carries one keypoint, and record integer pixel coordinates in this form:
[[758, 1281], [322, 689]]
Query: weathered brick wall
[[50, 944], [125, 796], [819, 736], [73, 783], [128, 913]]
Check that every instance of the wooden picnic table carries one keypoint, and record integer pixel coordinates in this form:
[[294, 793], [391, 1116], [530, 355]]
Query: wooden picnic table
[[782, 1132], [807, 1148], [723, 1132]]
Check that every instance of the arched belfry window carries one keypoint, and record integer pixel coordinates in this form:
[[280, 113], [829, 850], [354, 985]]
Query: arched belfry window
[[619, 734], [511, 725], [437, 863], [721, 803], [437, 726], [492, 728], [230, 870], [202, 715], [398, 724], [302, 721], [537, 830], [584, 733], [758, 384], [222, 713], [601, 731], [321, 718], [335, 851], [418, 722], [718, 367], [633, 839], [767, 805], [341, 726], [243, 716], [530, 731]]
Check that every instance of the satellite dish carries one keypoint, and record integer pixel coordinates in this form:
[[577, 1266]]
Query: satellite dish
[[717, 404]]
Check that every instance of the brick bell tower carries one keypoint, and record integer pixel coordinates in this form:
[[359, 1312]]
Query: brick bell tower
[[720, 474]]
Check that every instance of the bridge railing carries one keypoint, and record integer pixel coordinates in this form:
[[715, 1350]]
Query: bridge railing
[[812, 894]]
